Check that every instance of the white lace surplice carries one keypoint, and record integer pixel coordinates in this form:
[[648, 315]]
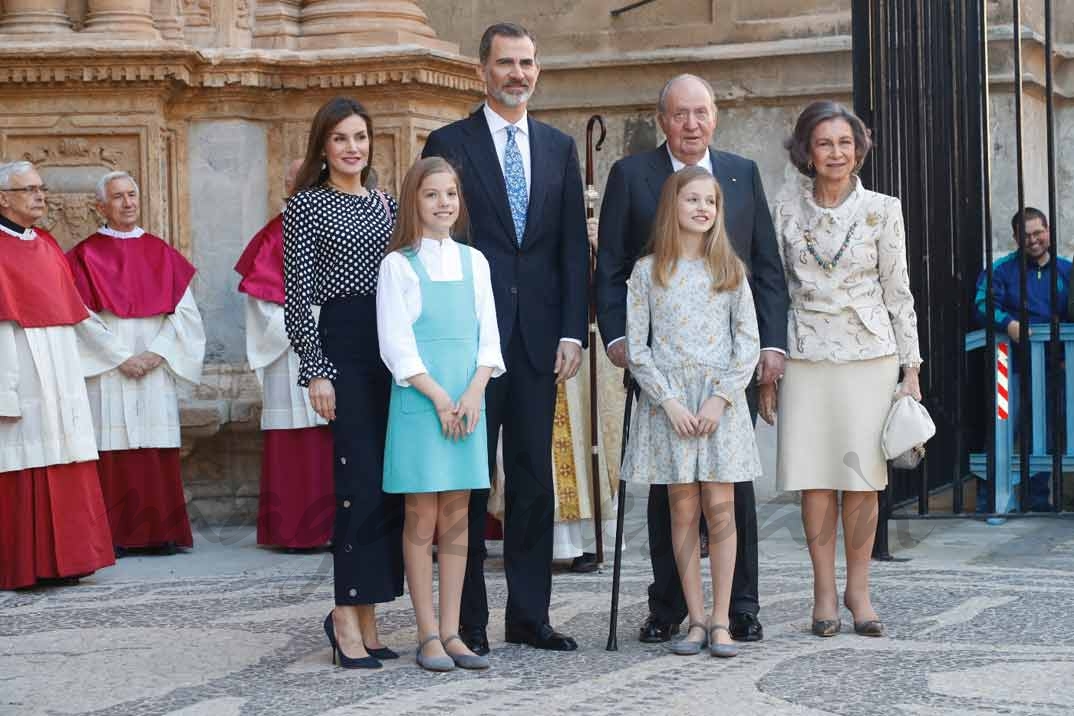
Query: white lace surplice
[[132, 413], [42, 383], [285, 404]]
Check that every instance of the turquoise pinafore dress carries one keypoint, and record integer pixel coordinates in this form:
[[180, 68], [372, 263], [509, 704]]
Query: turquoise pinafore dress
[[417, 457]]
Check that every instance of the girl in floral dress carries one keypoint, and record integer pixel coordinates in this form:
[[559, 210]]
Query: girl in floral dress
[[692, 347]]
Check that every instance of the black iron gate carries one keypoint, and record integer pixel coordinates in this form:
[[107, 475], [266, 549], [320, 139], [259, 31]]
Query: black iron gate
[[921, 84]]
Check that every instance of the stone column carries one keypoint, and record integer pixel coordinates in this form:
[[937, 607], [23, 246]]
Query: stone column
[[122, 19], [341, 23], [34, 16]]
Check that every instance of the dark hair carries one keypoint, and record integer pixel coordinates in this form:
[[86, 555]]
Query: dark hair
[[1031, 212], [502, 29], [313, 171], [797, 144]]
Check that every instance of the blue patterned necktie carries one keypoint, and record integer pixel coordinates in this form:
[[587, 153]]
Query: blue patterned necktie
[[515, 176]]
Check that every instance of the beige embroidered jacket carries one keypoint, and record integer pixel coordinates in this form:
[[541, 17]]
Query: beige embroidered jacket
[[862, 307]]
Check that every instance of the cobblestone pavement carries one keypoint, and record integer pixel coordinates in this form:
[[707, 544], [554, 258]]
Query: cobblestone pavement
[[980, 621]]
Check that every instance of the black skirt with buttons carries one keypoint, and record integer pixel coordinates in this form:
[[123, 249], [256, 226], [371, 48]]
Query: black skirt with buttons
[[368, 535]]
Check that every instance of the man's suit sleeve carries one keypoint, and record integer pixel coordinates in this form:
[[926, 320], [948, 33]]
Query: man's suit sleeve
[[613, 264], [574, 252], [769, 283]]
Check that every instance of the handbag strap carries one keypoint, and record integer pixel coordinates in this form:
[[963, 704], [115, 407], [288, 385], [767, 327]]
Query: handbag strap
[[384, 203]]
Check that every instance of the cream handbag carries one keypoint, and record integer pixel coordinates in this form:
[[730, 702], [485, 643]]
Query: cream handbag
[[907, 428]]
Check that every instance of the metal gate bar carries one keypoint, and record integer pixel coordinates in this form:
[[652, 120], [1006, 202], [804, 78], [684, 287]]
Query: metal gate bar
[[921, 81]]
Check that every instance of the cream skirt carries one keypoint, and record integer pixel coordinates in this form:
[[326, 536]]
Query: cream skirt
[[831, 416]]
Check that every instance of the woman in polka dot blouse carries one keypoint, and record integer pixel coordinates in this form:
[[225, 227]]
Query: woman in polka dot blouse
[[335, 233]]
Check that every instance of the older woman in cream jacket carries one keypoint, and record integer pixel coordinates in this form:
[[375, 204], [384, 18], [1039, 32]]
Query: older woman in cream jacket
[[851, 328]]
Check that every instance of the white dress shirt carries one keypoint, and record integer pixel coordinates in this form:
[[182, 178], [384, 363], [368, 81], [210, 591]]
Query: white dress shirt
[[676, 165], [399, 305], [498, 127], [705, 163]]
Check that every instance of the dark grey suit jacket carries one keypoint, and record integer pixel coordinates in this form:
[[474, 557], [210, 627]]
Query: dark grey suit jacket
[[626, 220]]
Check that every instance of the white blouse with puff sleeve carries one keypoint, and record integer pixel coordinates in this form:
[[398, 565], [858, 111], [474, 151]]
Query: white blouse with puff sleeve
[[399, 306]]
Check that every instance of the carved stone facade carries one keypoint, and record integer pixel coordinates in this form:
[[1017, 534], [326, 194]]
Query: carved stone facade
[[204, 106], [205, 101]]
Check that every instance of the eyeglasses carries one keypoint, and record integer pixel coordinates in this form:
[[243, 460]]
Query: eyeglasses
[[33, 189]]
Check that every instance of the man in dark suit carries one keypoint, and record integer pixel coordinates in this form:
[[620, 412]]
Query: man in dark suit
[[686, 113], [523, 189]]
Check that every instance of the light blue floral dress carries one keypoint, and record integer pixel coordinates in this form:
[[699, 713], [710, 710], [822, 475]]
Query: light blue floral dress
[[702, 344]]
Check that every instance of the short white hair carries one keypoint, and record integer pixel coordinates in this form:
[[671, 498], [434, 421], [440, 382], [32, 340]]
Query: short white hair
[[662, 100], [103, 182], [13, 169]]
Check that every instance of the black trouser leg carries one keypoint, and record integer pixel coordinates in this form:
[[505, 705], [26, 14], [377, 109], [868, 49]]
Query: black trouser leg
[[666, 600], [744, 583], [530, 496], [474, 610]]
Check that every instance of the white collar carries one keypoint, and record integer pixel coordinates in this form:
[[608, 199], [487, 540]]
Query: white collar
[[132, 234], [497, 123], [28, 235], [705, 163], [435, 244]]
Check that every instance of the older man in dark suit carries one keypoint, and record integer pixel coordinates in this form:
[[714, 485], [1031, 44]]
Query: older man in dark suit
[[523, 188], [686, 112]]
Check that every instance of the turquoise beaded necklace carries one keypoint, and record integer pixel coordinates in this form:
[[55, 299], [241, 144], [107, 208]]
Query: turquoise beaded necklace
[[827, 264]]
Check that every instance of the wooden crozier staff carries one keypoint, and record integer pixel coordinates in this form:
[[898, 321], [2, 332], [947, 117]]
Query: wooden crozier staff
[[591, 196]]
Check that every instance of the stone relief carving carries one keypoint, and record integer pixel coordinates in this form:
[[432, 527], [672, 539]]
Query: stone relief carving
[[198, 13], [71, 217], [384, 162], [74, 151], [72, 165], [242, 14]]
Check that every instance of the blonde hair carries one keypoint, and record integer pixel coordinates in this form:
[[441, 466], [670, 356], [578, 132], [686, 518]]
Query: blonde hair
[[725, 268], [408, 227]]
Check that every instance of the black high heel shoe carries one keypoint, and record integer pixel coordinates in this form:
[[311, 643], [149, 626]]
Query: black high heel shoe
[[338, 657]]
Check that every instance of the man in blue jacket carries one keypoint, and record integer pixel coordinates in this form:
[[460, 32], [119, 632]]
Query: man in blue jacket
[[1006, 292]]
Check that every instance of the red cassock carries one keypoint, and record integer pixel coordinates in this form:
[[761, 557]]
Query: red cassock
[[296, 508], [133, 278], [52, 515]]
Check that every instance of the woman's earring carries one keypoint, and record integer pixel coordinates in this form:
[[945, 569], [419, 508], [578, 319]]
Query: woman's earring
[[809, 165]]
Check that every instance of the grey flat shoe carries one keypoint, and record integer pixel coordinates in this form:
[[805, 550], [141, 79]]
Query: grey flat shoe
[[687, 647], [433, 663], [467, 661], [724, 651]]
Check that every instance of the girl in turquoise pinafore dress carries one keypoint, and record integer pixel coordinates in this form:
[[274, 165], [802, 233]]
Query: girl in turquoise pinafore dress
[[436, 323]]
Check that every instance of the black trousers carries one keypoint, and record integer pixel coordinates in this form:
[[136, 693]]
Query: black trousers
[[523, 402], [666, 600], [368, 534]]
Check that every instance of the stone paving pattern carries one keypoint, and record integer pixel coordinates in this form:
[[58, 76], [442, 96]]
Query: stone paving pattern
[[980, 621]]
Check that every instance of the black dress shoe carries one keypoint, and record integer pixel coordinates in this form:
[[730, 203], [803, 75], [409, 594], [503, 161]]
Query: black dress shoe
[[746, 627], [653, 631], [475, 638], [585, 564], [543, 637]]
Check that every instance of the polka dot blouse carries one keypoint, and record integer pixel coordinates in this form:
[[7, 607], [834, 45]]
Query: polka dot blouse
[[332, 247]]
